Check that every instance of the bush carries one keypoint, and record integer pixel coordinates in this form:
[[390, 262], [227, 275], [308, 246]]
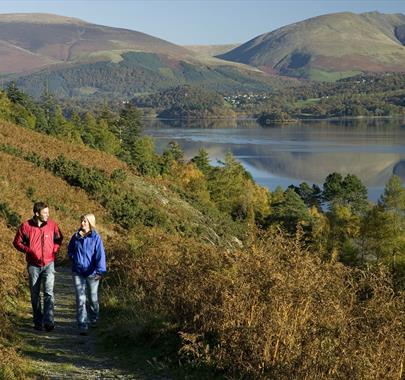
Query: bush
[[273, 310], [12, 267], [12, 219]]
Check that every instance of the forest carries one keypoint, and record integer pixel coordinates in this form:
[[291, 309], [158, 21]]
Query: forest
[[185, 102], [211, 271], [365, 95]]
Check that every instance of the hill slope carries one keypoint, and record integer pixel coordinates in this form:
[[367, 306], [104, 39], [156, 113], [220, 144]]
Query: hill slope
[[51, 39], [211, 50], [140, 72], [329, 46], [76, 58], [180, 280], [23, 181]]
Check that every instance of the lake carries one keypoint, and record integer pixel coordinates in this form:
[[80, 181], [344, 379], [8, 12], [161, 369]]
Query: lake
[[307, 151]]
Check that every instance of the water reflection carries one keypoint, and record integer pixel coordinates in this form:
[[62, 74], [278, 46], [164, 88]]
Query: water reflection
[[372, 150]]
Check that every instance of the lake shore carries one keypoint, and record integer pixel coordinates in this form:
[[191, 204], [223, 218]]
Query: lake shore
[[373, 149]]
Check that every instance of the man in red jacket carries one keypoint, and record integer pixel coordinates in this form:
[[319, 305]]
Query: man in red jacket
[[40, 238]]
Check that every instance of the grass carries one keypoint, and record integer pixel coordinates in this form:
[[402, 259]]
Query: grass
[[114, 56], [306, 102], [87, 90], [327, 76]]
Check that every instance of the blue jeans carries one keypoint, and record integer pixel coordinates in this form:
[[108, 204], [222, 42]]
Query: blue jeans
[[86, 289], [46, 276]]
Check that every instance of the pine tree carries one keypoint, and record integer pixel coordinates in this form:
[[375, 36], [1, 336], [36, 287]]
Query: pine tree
[[202, 160]]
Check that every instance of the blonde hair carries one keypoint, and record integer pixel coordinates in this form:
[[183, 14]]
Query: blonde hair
[[91, 219]]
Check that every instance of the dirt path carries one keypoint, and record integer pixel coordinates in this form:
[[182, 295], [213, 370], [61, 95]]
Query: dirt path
[[63, 353]]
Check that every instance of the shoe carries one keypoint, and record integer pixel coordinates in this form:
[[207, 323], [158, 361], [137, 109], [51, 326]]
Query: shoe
[[38, 327], [93, 325], [83, 332], [49, 327]]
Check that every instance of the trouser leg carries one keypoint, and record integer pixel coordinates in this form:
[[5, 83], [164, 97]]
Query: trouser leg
[[80, 290], [49, 301], [35, 289], [92, 294]]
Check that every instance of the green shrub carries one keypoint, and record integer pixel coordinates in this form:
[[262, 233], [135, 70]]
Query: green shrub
[[12, 219]]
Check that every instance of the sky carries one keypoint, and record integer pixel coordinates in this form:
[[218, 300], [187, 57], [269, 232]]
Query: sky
[[199, 22]]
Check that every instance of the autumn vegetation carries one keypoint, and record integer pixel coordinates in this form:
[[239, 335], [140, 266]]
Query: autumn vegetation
[[218, 274]]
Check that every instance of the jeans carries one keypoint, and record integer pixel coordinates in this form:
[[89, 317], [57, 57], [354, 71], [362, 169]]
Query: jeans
[[46, 276], [86, 288]]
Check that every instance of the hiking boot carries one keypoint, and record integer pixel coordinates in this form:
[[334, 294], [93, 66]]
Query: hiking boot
[[93, 324], [83, 332], [49, 327], [38, 327]]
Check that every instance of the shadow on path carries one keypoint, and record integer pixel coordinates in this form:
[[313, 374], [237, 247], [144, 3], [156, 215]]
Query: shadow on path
[[63, 353]]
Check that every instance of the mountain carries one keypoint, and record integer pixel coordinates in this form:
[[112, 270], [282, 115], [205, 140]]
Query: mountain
[[140, 72], [211, 50], [329, 47], [32, 41], [72, 57]]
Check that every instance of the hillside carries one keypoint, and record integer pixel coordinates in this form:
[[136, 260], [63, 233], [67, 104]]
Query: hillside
[[31, 41], [23, 181], [23, 177], [211, 50], [205, 267], [329, 47], [72, 57], [140, 72]]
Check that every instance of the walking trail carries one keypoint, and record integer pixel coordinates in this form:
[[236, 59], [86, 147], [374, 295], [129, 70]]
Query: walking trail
[[63, 353]]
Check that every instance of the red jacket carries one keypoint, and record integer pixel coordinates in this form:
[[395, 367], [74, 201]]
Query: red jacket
[[39, 244]]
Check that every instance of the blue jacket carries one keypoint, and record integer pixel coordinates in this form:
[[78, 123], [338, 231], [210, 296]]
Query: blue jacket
[[87, 254]]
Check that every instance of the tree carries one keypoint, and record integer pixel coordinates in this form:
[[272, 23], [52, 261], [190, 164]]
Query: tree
[[290, 211], [143, 156], [393, 197], [376, 235], [332, 187], [49, 105], [344, 231], [128, 124], [393, 203], [5, 107], [104, 139], [175, 152], [16, 95], [310, 195], [192, 181], [202, 160], [354, 193], [348, 191], [320, 229], [227, 186], [89, 129]]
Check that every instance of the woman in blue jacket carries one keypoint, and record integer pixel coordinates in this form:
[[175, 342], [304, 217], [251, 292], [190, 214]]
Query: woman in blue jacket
[[86, 251]]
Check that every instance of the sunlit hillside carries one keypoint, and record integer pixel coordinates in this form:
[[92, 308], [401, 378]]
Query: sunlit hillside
[[329, 47], [209, 274], [51, 147], [34, 40], [75, 58]]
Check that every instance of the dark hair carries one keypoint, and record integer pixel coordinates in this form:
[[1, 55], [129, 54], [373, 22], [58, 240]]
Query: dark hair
[[38, 206]]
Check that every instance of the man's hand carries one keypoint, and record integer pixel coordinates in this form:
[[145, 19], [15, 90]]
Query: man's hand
[[97, 277]]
